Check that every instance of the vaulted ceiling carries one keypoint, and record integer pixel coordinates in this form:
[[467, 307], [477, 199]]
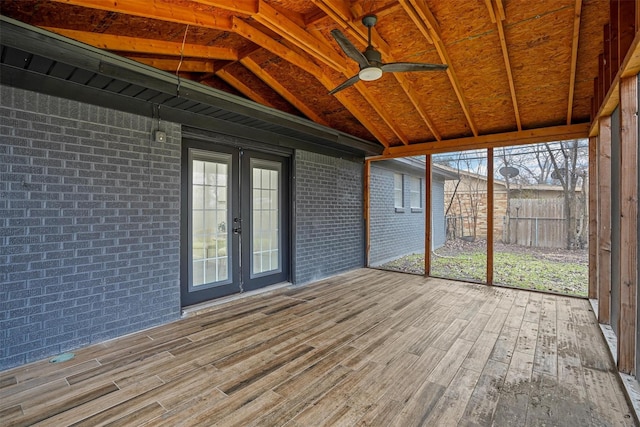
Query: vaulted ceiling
[[513, 66]]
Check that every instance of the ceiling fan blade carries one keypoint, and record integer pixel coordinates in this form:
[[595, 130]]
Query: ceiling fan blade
[[353, 80], [349, 49], [396, 67]]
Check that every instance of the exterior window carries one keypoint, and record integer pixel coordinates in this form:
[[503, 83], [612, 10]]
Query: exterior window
[[398, 190], [415, 189]]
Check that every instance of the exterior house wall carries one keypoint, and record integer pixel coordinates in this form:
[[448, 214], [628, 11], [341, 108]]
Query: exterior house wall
[[329, 229], [89, 220], [396, 233]]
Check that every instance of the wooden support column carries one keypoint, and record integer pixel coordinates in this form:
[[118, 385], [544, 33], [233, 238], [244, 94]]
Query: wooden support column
[[628, 223], [604, 221], [367, 211], [490, 213], [593, 218], [427, 215]]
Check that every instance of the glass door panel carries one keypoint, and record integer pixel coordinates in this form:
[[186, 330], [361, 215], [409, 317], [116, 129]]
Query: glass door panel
[[235, 222], [210, 215], [265, 213]]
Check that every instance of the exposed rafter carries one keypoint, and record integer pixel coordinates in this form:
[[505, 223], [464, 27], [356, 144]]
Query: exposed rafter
[[281, 25], [533, 136], [172, 65], [255, 68], [247, 7], [157, 9], [426, 23], [243, 88], [574, 58], [139, 45], [342, 15], [497, 14]]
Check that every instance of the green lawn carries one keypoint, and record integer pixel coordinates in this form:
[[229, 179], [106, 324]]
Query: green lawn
[[511, 269]]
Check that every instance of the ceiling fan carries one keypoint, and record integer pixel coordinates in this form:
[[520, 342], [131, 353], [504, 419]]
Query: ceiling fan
[[370, 61]]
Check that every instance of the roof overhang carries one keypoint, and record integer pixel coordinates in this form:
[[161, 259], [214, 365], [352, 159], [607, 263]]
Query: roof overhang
[[41, 61]]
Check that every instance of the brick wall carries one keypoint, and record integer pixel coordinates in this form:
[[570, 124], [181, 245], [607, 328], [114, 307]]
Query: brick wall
[[329, 216], [89, 225], [394, 233]]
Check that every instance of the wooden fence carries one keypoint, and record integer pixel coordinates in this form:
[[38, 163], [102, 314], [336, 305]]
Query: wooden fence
[[536, 223]]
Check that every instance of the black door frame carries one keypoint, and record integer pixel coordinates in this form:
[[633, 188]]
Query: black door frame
[[227, 146]]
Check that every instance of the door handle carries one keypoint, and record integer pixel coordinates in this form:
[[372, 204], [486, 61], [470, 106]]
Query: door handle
[[237, 230]]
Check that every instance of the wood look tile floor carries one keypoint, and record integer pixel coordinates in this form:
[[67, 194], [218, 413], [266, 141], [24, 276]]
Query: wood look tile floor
[[363, 348]]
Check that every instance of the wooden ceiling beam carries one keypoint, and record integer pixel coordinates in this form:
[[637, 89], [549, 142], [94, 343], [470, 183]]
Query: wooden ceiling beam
[[140, 45], [172, 65], [531, 136], [574, 58], [265, 41], [355, 110], [241, 87], [294, 34], [499, 17], [246, 7], [299, 37], [259, 72], [340, 9], [156, 9], [426, 23]]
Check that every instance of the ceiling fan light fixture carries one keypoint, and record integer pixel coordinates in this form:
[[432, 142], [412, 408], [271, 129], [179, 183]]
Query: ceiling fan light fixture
[[369, 74]]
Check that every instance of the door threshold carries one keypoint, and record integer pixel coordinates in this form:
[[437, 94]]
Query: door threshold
[[204, 307]]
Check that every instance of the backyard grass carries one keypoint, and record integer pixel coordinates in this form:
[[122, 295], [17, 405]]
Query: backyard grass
[[551, 272]]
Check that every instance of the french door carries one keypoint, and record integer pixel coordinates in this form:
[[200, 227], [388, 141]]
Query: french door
[[235, 227]]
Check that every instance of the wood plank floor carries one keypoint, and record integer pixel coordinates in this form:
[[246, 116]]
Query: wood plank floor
[[364, 348]]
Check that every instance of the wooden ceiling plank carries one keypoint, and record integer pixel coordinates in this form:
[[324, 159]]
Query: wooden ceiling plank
[[507, 65], [171, 65], [140, 45], [251, 33], [342, 15], [388, 119], [277, 22], [259, 72], [246, 7], [530, 136], [258, 37], [500, 13], [492, 14], [241, 87], [296, 35], [412, 8], [156, 9], [421, 8], [415, 100], [341, 8], [574, 58]]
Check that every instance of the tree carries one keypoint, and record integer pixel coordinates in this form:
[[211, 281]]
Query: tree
[[564, 161]]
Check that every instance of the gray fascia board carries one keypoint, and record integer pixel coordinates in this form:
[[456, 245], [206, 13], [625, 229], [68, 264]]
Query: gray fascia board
[[56, 47]]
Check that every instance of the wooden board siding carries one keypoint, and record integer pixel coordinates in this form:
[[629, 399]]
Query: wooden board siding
[[628, 224], [363, 348], [604, 221]]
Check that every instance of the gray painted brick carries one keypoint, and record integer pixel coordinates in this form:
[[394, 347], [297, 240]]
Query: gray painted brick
[[330, 227], [64, 161]]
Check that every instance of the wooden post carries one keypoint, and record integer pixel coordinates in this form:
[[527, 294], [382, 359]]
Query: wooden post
[[604, 221], [593, 217], [427, 215], [490, 213], [367, 212], [628, 223]]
